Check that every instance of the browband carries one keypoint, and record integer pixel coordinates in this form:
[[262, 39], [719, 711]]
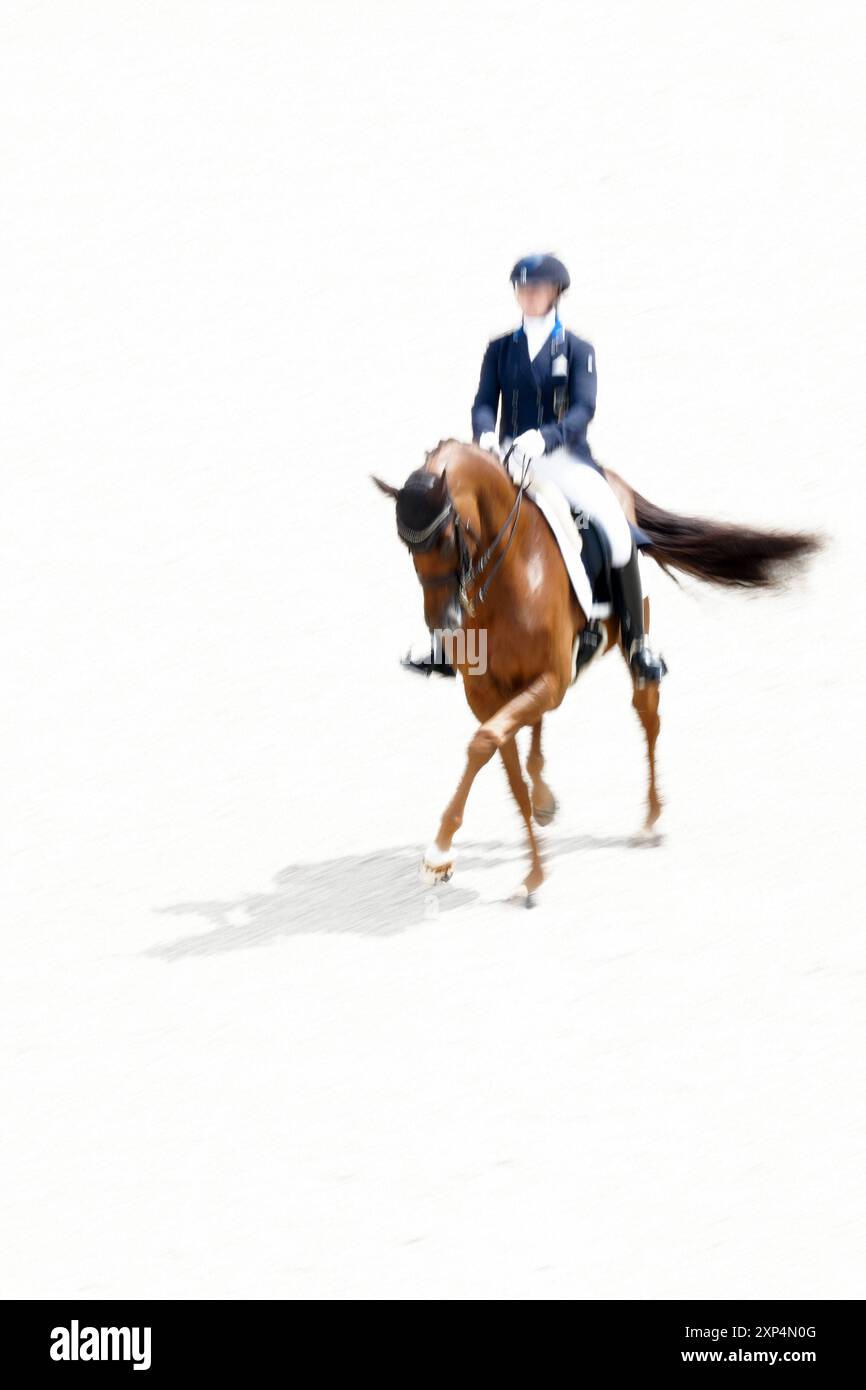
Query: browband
[[418, 537]]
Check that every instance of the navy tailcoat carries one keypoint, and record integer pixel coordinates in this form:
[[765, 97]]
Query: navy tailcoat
[[531, 391]]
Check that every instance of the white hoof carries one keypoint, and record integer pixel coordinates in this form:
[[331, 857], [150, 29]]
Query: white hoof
[[437, 866]]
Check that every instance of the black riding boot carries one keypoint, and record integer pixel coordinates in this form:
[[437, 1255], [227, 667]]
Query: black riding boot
[[426, 665], [628, 605]]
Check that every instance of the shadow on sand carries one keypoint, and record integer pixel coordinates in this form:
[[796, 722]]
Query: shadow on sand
[[375, 895]]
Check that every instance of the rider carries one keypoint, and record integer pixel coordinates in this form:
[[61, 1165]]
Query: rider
[[546, 377]]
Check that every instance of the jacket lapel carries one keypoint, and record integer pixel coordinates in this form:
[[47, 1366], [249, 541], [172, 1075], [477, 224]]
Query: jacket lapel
[[540, 366]]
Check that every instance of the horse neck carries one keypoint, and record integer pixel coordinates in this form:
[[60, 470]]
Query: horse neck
[[477, 479]]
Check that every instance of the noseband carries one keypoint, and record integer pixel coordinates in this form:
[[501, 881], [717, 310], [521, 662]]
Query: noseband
[[466, 572]]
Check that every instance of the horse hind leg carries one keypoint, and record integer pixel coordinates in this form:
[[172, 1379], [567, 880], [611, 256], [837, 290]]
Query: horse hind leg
[[645, 701], [544, 803], [511, 759]]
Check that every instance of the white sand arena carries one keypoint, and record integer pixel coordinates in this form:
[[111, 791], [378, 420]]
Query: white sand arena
[[251, 254]]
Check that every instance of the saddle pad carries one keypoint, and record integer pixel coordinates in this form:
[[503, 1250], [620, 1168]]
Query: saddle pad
[[557, 513]]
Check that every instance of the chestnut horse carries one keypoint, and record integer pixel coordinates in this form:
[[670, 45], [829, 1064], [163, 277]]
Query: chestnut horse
[[487, 560]]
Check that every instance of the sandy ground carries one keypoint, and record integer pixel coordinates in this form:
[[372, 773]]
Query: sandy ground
[[251, 254]]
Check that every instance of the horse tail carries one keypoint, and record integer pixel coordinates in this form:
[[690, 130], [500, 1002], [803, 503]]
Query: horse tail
[[720, 552]]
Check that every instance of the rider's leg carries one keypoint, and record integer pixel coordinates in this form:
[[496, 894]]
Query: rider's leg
[[589, 492], [627, 598]]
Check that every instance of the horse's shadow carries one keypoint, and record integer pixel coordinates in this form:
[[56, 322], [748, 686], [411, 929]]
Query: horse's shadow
[[373, 895]]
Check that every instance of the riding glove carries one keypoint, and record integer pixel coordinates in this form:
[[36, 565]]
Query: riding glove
[[530, 443]]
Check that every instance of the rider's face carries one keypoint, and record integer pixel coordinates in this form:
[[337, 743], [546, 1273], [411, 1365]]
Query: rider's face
[[536, 299]]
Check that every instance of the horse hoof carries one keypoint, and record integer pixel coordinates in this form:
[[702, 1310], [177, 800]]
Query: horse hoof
[[523, 897], [437, 866], [436, 873], [647, 836], [545, 814]]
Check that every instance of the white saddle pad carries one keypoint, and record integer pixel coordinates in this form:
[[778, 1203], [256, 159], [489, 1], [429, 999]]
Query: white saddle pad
[[557, 513]]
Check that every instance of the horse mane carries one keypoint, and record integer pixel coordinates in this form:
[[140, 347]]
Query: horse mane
[[431, 457], [451, 451]]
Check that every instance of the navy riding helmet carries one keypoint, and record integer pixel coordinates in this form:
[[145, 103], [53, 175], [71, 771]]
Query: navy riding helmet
[[545, 266]]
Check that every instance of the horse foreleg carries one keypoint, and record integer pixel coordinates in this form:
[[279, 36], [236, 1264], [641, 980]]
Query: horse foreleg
[[543, 694], [511, 758], [544, 804]]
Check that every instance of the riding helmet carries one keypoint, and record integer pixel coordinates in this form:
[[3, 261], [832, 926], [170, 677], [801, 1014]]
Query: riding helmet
[[543, 266]]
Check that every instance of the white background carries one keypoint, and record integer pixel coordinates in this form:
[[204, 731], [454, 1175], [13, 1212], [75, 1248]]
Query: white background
[[251, 252]]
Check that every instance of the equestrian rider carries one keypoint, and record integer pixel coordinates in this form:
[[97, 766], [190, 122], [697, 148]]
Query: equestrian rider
[[546, 379]]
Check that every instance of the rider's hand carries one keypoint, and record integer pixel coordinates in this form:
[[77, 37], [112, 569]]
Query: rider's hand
[[490, 442], [530, 443], [527, 446]]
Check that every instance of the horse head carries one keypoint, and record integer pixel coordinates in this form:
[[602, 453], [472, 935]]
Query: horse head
[[440, 544]]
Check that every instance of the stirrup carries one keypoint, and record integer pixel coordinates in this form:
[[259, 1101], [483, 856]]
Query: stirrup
[[644, 666]]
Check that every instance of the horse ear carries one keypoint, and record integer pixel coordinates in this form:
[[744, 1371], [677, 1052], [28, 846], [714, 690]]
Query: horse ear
[[440, 487], [385, 487]]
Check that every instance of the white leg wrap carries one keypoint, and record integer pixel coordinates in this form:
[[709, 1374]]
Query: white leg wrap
[[433, 855]]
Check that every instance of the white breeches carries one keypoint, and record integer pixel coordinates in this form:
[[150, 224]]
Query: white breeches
[[589, 492]]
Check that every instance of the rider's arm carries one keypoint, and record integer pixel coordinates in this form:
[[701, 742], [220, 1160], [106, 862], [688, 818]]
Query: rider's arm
[[486, 402], [582, 386]]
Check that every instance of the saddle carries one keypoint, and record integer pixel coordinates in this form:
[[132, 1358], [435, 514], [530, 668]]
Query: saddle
[[595, 553], [586, 553]]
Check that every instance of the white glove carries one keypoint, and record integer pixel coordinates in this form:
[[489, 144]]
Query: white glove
[[527, 446], [530, 443], [490, 442]]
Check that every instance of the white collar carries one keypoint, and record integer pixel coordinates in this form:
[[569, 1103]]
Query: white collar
[[538, 321], [538, 328]]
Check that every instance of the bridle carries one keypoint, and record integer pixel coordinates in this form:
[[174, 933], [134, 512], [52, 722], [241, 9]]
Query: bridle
[[466, 572]]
